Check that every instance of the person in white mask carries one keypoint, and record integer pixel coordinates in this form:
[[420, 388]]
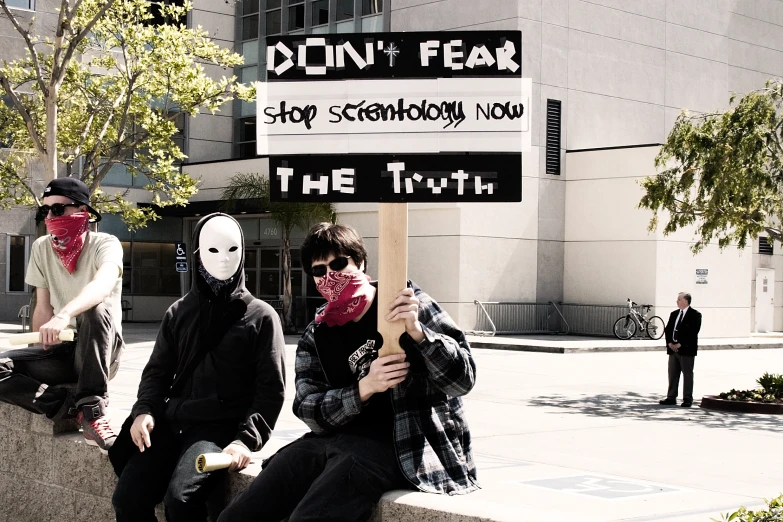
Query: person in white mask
[[378, 423], [77, 275], [215, 382]]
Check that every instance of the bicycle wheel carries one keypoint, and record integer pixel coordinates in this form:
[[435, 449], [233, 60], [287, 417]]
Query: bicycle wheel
[[655, 327], [625, 327]]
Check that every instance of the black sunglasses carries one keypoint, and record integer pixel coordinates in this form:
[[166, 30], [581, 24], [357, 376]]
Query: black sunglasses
[[58, 209], [336, 264]]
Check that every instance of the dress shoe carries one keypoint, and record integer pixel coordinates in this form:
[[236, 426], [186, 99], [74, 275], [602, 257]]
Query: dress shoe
[[668, 402], [686, 404]]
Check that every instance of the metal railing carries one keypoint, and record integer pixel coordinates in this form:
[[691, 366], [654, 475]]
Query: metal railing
[[508, 318], [518, 318]]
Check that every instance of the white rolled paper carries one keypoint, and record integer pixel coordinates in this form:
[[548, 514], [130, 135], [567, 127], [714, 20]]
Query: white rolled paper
[[212, 461], [35, 337]]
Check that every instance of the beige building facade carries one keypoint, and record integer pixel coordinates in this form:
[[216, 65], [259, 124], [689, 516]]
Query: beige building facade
[[621, 71]]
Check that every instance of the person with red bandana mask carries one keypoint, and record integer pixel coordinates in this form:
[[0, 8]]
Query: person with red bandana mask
[[78, 278], [377, 423]]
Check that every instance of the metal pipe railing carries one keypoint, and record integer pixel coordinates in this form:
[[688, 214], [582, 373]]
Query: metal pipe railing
[[508, 318]]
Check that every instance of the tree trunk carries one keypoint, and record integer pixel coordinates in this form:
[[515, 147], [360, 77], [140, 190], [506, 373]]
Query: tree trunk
[[288, 316], [50, 157]]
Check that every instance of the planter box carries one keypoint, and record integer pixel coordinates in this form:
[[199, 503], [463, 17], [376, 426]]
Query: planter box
[[714, 402]]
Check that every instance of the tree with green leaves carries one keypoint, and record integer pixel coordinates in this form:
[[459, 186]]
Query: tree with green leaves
[[288, 215], [723, 172], [103, 90]]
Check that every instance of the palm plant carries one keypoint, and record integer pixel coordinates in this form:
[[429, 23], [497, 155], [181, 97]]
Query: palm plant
[[287, 214]]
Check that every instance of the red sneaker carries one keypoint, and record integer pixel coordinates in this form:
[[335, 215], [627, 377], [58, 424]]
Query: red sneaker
[[97, 431]]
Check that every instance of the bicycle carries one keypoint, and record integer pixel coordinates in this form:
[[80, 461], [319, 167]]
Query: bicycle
[[625, 327]]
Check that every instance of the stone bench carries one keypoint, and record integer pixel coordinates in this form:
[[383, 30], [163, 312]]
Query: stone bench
[[48, 473]]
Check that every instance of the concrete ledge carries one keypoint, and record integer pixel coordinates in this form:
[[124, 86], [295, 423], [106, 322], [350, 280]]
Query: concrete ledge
[[573, 344], [48, 473]]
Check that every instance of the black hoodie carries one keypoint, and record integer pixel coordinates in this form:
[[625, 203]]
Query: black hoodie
[[236, 343]]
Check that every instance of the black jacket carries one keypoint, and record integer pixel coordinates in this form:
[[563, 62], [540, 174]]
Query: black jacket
[[687, 332], [238, 343]]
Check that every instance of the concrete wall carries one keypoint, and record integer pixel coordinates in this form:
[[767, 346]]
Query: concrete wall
[[610, 255], [49, 474], [213, 177], [209, 136], [623, 71]]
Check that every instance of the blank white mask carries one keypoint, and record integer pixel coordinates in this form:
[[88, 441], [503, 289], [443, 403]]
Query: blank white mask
[[220, 247]]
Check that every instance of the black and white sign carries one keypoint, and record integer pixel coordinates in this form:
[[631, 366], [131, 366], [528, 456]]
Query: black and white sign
[[701, 276], [362, 56], [392, 116], [180, 257], [403, 116], [397, 178]]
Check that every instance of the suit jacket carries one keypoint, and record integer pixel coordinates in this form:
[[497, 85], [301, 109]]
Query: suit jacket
[[687, 332]]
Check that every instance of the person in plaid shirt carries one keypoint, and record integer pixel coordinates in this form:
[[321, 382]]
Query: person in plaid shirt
[[378, 423]]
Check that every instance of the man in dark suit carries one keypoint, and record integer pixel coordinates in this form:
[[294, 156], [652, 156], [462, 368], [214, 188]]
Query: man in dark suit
[[682, 343]]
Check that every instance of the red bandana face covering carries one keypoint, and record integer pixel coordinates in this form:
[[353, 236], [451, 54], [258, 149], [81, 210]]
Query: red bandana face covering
[[67, 241], [346, 294]]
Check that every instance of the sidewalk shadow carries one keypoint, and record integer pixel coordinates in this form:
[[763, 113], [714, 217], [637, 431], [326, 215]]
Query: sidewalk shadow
[[636, 406]]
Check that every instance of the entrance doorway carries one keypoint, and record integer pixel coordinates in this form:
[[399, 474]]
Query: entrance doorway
[[262, 272], [264, 278], [765, 304]]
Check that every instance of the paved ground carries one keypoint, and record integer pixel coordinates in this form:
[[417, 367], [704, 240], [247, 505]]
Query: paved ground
[[581, 436]]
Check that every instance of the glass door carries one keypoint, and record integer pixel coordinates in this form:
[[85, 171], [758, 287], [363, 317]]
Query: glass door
[[269, 273], [251, 270]]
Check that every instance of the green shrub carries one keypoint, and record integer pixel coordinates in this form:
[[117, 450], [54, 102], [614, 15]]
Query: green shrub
[[771, 390], [773, 513], [772, 383]]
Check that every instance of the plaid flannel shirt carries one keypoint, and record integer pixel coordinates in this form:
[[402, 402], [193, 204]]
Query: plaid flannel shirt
[[431, 437]]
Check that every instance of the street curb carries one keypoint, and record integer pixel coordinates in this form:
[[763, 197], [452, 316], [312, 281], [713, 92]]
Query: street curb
[[606, 349]]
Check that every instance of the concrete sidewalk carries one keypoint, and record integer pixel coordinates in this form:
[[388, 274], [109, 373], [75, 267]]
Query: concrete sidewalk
[[579, 437]]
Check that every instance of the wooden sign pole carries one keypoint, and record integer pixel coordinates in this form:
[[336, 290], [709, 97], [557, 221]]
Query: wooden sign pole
[[392, 270]]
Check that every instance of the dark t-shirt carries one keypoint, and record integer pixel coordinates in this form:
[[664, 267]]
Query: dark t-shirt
[[346, 353]]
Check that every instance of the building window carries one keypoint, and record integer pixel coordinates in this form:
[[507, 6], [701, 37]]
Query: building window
[[765, 246], [296, 15], [249, 20], [179, 136], [21, 4], [247, 138], [149, 269], [553, 111], [18, 251], [273, 17], [371, 7], [157, 16], [320, 10], [344, 10]]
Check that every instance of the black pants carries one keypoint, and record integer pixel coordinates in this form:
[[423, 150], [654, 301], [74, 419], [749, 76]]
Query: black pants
[[320, 479], [681, 364], [32, 377], [166, 472]]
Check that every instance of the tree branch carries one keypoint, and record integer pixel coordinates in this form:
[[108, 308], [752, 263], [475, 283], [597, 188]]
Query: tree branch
[[74, 42], [108, 121], [83, 136], [26, 36], [28, 120], [125, 109], [58, 32], [23, 182]]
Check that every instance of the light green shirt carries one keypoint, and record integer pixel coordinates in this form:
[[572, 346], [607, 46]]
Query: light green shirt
[[46, 270]]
